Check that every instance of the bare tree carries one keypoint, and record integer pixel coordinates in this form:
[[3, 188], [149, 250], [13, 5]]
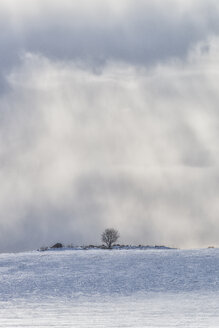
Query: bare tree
[[110, 236]]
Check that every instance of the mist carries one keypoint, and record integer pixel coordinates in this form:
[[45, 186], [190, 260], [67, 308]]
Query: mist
[[109, 123]]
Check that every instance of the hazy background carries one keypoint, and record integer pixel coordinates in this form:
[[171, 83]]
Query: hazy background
[[109, 118]]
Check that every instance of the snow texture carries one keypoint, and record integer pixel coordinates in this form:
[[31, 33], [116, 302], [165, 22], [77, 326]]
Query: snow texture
[[110, 288]]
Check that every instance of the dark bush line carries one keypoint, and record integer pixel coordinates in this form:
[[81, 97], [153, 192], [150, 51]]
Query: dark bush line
[[115, 246]]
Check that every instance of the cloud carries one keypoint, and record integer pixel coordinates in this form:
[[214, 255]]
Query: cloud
[[108, 117], [129, 146], [138, 33]]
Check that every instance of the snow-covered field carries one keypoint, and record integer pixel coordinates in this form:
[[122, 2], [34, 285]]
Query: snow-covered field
[[118, 288]]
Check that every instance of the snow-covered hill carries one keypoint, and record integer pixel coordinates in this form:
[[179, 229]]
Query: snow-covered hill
[[102, 288]]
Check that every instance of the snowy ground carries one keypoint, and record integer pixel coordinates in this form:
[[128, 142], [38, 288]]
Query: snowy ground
[[118, 288]]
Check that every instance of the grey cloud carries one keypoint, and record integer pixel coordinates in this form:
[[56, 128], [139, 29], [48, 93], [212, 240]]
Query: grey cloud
[[140, 33]]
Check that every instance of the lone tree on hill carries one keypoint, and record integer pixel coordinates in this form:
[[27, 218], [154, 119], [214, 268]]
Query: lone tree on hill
[[110, 236]]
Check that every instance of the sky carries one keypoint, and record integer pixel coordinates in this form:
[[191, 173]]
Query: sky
[[109, 118]]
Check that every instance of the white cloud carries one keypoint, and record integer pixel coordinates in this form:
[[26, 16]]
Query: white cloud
[[134, 148]]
